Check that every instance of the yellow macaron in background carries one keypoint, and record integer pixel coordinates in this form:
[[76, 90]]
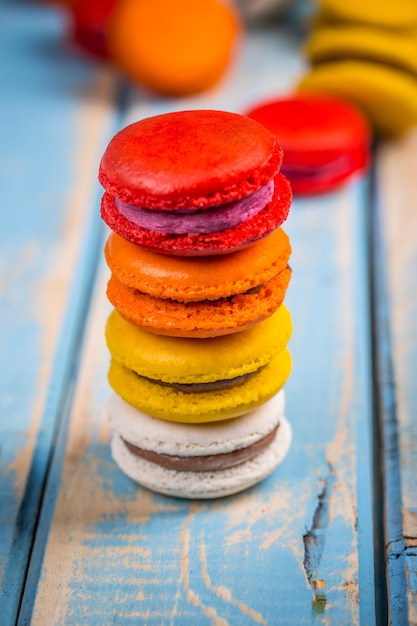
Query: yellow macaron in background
[[399, 14], [387, 96], [396, 49], [366, 53]]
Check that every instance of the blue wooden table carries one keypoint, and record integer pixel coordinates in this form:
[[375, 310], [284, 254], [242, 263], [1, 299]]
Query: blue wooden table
[[331, 536]]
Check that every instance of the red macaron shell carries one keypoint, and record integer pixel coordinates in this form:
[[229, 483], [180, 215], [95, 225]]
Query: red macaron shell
[[189, 159], [324, 139], [230, 240]]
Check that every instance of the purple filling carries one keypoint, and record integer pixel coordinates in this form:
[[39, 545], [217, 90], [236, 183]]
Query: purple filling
[[305, 172], [202, 220]]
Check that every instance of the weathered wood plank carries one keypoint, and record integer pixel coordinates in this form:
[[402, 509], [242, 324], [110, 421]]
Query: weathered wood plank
[[296, 549], [396, 233], [50, 103]]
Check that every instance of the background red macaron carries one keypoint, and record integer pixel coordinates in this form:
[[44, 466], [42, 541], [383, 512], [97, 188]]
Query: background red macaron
[[89, 24], [325, 139]]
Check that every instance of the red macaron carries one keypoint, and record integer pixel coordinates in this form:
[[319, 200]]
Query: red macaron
[[195, 166], [89, 25], [325, 140]]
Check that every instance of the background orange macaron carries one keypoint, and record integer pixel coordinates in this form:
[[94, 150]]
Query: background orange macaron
[[176, 48]]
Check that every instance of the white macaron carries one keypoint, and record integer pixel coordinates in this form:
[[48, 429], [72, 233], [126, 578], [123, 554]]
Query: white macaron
[[186, 442]]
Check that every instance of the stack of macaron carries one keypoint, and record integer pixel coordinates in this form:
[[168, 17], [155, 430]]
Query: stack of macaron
[[199, 269], [366, 52]]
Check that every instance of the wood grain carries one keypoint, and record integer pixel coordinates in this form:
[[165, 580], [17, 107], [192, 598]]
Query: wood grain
[[50, 103], [397, 222]]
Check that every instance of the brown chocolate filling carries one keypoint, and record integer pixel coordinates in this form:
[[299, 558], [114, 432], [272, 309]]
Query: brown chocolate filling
[[208, 463], [215, 385]]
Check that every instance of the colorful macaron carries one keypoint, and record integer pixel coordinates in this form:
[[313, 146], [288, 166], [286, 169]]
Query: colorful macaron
[[365, 53], [202, 296], [387, 96], [325, 139], [356, 41], [199, 380], [89, 23], [401, 15], [199, 460], [174, 48], [199, 334], [166, 175]]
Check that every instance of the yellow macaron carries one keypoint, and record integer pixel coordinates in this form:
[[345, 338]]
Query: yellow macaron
[[173, 405], [369, 43], [399, 14], [386, 95], [199, 380]]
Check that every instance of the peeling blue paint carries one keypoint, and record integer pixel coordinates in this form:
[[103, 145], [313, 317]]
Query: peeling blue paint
[[40, 101], [315, 538]]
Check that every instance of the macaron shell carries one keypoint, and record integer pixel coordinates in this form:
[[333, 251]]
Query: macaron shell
[[170, 404], [204, 485], [396, 48], [180, 360], [198, 319], [230, 240], [202, 278], [387, 95], [188, 440], [189, 159]]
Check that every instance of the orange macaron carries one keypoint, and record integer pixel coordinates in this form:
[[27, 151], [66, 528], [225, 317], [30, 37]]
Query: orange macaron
[[199, 297], [176, 48]]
